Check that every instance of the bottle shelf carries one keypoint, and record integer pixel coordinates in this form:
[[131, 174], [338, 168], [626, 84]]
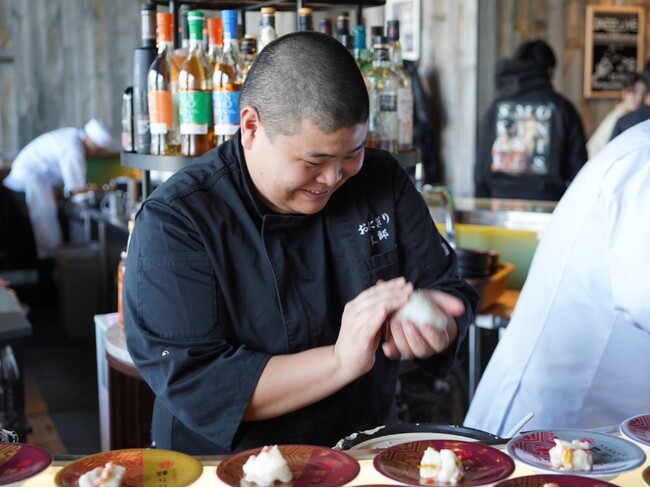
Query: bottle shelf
[[278, 4], [154, 161], [407, 159]]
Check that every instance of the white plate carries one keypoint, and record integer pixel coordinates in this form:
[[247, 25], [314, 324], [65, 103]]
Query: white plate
[[611, 455]]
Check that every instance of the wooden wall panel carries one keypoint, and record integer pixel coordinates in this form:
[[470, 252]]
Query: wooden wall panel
[[63, 62]]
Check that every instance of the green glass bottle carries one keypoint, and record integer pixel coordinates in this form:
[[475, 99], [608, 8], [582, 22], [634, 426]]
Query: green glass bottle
[[194, 95]]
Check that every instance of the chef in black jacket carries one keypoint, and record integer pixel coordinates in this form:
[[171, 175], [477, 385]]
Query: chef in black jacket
[[262, 280]]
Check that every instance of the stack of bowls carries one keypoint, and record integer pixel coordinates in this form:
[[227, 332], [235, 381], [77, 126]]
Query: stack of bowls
[[477, 263]]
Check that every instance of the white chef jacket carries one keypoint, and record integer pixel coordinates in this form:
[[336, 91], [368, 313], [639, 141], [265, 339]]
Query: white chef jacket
[[577, 349], [52, 159]]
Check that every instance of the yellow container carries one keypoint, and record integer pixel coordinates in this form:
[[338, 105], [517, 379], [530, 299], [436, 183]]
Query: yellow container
[[515, 246]]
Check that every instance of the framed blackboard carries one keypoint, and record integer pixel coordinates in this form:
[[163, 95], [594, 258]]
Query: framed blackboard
[[614, 45]]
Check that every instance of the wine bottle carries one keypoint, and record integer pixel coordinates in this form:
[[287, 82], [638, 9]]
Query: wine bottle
[[227, 81], [267, 27], [383, 84], [194, 107], [405, 91], [162, 88], [143, 57], [248, 54]]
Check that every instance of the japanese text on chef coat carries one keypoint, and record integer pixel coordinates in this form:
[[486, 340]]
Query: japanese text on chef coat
[[376, 228]]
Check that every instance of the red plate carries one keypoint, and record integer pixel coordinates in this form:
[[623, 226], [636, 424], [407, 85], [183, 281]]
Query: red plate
[[19, 462], [482, 464], [310, 466], [557, 479], [637, 429]]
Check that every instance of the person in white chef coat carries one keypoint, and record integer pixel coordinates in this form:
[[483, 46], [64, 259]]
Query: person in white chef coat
[[577, 349], [53, 159]]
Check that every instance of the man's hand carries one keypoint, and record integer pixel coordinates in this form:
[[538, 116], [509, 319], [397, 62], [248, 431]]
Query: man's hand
[[362, 321], [407, 340]]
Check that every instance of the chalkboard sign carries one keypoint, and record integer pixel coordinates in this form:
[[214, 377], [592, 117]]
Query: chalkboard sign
[[613, 48]]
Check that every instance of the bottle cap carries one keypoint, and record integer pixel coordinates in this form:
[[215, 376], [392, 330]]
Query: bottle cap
[[229, 18]]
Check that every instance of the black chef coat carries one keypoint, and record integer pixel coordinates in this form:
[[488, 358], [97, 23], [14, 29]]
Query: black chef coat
[[215, 285]]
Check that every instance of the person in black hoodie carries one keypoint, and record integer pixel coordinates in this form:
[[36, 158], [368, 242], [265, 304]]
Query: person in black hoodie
[[531, 142]]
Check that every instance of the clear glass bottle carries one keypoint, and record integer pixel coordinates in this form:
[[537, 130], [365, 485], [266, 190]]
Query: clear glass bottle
[[161, 90], [383, 84], [127, 119], [194, 104], [305, 19], [267, 28], [405, 92], [215, 39], [227, 81]]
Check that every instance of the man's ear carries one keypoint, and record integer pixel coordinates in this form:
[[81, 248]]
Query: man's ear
[[249, 125]]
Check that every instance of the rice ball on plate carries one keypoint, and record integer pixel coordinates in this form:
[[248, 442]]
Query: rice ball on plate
[[421, 310], [267, 467]]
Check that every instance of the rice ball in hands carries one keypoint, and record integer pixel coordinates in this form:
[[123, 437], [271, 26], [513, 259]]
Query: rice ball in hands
[[422, 311]]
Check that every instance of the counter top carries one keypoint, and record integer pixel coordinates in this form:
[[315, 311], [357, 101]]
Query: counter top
[[368, 476]]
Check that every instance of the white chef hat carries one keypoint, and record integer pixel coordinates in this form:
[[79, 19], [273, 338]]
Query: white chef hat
[[98, 132]]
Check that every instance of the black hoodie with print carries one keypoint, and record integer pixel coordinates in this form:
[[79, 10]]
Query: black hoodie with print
[[531, 141]]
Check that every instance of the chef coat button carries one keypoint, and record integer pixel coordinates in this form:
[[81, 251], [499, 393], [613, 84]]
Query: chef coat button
[[165, 353]]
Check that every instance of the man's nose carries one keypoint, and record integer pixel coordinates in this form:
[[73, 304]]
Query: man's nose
[[332, 174]]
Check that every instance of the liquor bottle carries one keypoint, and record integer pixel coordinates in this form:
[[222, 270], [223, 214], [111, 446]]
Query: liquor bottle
[[405, 91], [181, 52], [127, 119], [162, 87], [249, 53], [143, 57], [305, 19], [383, 84], [267, 28], [194, 107], [325, 26], [343, 33], [227, 81], [343, 23], [215, 39], [361, 53]]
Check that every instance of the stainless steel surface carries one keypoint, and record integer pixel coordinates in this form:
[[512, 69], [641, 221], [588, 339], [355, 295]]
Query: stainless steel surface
[[446, 206], [529, 215]]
